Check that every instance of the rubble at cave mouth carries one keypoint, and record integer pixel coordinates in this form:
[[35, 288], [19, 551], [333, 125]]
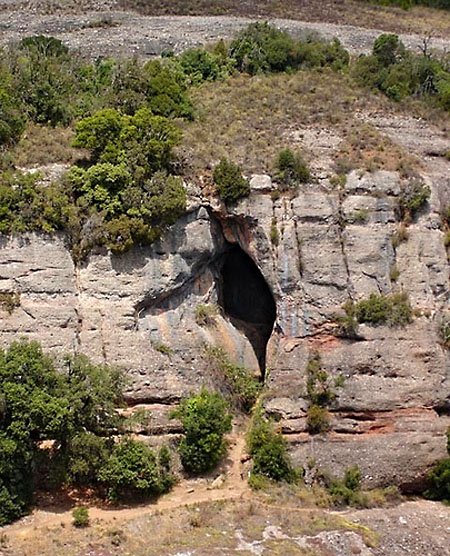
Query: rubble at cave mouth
[[247, 299]]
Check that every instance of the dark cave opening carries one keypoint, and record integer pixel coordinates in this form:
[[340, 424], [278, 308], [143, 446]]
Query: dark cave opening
[[247, 300]]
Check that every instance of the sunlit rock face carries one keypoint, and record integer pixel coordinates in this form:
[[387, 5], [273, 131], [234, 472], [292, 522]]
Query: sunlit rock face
[[278, 271]]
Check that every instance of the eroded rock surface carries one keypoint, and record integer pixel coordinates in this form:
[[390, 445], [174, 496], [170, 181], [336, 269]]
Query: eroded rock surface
[[138, 311]]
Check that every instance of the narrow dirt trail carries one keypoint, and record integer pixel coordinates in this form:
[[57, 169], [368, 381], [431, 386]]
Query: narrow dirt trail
[[187, 492]]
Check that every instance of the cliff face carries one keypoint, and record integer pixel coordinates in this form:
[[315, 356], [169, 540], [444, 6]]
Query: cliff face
[[313, 252]]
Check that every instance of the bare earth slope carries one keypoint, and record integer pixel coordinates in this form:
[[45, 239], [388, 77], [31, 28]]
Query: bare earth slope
[[103, 33]]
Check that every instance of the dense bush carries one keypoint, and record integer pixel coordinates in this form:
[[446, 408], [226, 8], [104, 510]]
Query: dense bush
[[230, 182], [26, 205], [268, 450], [291, 169], [133, 469], [75, 409], [261, 47], [12, 120], [393, 310], [201, 65], [55, 86], [400, 73], [205, 418]]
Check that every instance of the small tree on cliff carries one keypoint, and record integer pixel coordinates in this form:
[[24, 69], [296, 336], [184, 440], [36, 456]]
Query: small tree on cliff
[[230, 182]]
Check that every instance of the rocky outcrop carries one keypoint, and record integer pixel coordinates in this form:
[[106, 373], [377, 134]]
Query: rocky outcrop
[[139, 311]]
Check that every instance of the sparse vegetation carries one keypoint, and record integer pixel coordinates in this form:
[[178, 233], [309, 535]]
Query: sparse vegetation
[[290, 169], [393, 310], [412, 198], [274, 234], [205, 315], [237, 383], [321, 392], [9, 301], [400, 236], [444, 330]]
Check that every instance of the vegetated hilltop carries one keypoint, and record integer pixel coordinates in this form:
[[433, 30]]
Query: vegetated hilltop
[[265, 216]]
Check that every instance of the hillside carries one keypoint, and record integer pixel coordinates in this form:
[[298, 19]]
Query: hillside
[[267, 217]]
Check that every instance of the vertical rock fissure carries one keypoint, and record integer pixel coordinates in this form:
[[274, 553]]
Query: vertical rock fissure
[[246, 299]]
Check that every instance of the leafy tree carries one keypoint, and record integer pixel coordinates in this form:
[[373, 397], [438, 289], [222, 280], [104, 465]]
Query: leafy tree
[[74, 408], [205, 418], [128, 183], [230, 182]]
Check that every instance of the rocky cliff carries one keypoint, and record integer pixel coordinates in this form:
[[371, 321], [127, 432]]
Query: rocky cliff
[[286, 264]]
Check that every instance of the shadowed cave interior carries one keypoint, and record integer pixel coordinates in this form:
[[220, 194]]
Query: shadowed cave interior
[[247, 300]]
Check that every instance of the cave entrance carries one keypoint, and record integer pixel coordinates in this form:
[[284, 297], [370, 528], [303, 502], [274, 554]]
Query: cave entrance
[[247, 300]]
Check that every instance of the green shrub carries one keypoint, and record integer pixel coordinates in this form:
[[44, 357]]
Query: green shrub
[[87, 454], [231, 184], [274, 234], [80, 516], [393, 310], [12, 120], [346, 492], [268, 450], [206, 419], [133, 469], [412, 198], [236, 382], [444, 330], [347, 324], [291, 169], [439, 481], [262, 48], [320, 386], [74, 406], [200, 65], [399, 73], [317, 419], [128, 184]]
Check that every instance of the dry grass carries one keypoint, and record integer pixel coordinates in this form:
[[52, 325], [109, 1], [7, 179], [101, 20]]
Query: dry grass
[[360, 13], [208, 528], [250, 119], [42, 145], [367, 149]]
